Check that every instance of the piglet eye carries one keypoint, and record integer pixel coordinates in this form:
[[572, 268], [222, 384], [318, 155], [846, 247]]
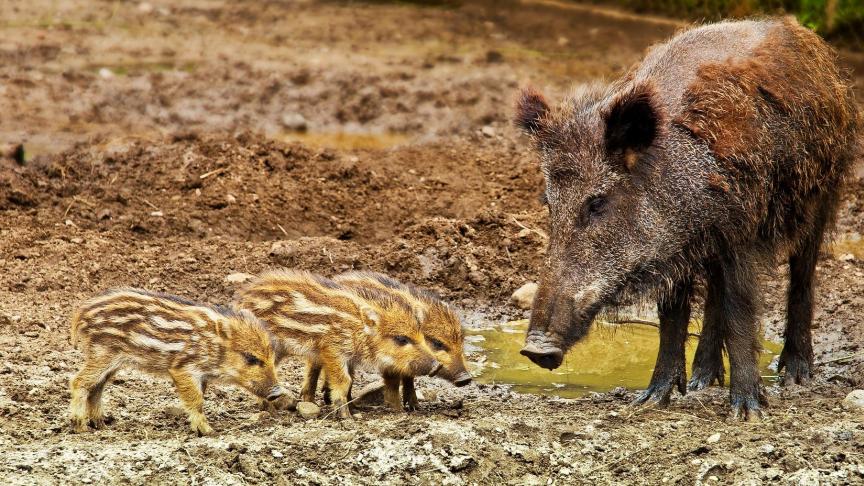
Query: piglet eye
[[402, 340], [437, 345], [252, 360]]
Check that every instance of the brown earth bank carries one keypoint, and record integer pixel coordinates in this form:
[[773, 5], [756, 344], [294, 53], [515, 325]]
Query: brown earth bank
[[170, 144]]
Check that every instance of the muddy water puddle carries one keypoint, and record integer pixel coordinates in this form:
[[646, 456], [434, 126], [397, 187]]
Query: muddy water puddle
[[610, 356]]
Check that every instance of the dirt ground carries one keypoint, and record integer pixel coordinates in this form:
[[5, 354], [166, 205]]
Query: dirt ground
[[168, 144]]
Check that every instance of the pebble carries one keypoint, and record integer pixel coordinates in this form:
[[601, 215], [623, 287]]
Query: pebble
[[106, 73], [713, 439], [854, 400], [238, 277], [308, 410], [766, 449], [295, 122], [277, 454], [523, 297], [488, 131], [848, 257]]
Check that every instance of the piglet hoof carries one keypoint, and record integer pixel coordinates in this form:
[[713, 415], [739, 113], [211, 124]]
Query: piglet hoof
[[411, 404], [99, 422], [797, 366], [78, 425], [705, 376], [203, 429]]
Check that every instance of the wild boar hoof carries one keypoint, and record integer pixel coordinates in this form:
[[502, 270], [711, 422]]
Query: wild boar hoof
[[746, 411], [704, 376], [797, 368], [660, 390]]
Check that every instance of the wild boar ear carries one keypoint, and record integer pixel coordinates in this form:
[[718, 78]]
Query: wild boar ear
[[633, 121], [531, 109]]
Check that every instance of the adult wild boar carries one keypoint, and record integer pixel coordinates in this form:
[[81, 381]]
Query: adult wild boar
[[723, 149]]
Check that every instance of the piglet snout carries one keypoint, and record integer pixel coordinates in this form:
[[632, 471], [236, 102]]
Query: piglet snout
[[275, 393]]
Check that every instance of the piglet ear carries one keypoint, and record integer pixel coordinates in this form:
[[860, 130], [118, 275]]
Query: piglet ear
[[223, 329], [370, 316], [531, 109], [633, 121]]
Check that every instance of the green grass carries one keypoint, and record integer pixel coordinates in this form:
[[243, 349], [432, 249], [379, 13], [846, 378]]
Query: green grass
[[827, 17]]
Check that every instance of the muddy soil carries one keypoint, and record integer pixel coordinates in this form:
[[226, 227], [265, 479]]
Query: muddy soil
[[168, 144]]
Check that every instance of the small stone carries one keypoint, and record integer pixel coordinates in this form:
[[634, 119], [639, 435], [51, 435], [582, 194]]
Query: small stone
[[153, 280], [308, 410], [157, 214], [565, 471], [766, 449], [277, 454], [461, 462], [106, 73], [77, 240], [524, 295], [854, 400], [231, 199], [847, 257], [238, 277], [104, 214], [563, 41], [713, 439], [295, 122], [488, 131], [145, 7]]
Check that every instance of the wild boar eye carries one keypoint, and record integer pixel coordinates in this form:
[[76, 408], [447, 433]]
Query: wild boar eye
[[402, 340], [437, 345], [594, 207], [252, 360]]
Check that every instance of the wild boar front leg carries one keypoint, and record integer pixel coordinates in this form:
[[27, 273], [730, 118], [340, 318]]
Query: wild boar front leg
[[669, 372], [86, 388], [409, 393], [192, 398], [742, 339]]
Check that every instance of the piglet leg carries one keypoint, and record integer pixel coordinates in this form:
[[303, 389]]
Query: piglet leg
[[192, 398]]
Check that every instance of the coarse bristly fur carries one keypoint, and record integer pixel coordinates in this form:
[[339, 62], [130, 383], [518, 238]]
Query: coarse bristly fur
[[194, 344], [337, 329], [723, 149]]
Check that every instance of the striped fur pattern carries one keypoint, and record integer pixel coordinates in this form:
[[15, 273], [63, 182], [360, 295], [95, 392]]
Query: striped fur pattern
[[161, 334], [440, 325], [337, 330]]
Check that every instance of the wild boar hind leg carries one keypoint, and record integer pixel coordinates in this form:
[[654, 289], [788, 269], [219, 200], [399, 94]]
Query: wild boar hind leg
[[670, 372], [192, 398], [797, 355], [708, 362]]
